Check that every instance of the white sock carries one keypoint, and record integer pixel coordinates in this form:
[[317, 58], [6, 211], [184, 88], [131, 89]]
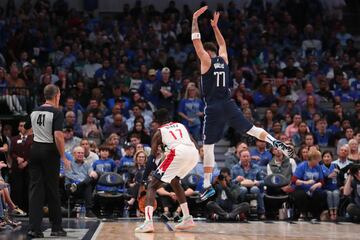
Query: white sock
[[149, 213], [258, 132], [207, 180], [209, 161], [185, 209]]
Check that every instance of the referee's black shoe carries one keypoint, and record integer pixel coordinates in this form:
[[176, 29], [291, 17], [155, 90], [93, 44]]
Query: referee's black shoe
[[33, 234], [59, 233]]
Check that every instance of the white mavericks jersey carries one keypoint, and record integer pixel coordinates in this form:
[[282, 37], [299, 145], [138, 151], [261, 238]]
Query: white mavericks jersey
[[174, 134]]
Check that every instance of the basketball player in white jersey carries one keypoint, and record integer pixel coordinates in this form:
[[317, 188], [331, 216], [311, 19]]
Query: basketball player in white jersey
[[180, 158]]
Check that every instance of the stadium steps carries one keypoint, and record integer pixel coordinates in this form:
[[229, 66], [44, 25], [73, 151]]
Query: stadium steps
[[220, 149]]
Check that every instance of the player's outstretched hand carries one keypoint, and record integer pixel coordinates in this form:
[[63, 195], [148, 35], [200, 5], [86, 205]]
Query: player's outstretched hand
[[200, 11], [215, 20]]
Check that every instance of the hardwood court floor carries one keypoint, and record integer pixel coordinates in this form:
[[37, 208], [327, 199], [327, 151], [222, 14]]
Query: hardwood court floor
[[124, 230]]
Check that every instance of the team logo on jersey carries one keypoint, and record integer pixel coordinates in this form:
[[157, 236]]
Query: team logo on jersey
[[218, 65]]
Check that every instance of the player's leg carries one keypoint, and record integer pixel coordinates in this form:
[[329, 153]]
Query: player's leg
[[166, 171], [261, 134], [188, 158], [209, 162], [241, 124], [187, 220], [213, 129], [148, 225]]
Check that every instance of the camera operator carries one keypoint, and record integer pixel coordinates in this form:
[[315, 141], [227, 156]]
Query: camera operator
[[351, 189], [224, 207]]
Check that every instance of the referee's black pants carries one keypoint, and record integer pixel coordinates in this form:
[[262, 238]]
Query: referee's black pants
[[44, 169]]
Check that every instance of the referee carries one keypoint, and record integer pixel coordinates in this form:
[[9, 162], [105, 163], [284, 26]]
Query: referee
[[46, 122]]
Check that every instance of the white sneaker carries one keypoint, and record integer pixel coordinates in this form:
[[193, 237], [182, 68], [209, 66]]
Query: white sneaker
[[146, 227], [185, 223]]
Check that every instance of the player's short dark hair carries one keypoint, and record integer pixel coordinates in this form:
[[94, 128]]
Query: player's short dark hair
[[209, 46], [50, 91], [162, 116]]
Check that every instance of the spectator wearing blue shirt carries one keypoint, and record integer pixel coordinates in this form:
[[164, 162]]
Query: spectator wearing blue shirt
[[330, 171], [249, 178], [345, 93], [105, 73], [104, 164], [355, 84], [322, 135], [191, 109], [117, 98], [68, 59], [260, 155], [81, 179], [147, 85], [264, 96], [127, 163], [309, 180]]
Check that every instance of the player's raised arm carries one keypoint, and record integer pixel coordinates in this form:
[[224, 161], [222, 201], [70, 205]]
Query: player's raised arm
[[219, 38], [196, 37]]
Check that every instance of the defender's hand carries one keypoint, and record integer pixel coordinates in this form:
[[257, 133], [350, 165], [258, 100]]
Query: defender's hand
[[200, 11], [215, 20]]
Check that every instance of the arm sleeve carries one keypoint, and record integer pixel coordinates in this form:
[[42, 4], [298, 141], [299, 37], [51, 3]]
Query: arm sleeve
[[58, 121]]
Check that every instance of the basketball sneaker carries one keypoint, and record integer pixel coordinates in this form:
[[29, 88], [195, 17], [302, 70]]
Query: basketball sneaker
[[287, 150], [146, 227], [185, 223], [207, 193]]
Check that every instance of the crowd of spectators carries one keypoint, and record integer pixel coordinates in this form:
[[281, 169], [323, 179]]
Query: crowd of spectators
[[295, 72]]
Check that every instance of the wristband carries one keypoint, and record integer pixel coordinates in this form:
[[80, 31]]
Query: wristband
[[195, 36]]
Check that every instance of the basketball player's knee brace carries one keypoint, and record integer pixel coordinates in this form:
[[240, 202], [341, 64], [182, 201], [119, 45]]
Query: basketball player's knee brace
[[209, 155], [257, 132]]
